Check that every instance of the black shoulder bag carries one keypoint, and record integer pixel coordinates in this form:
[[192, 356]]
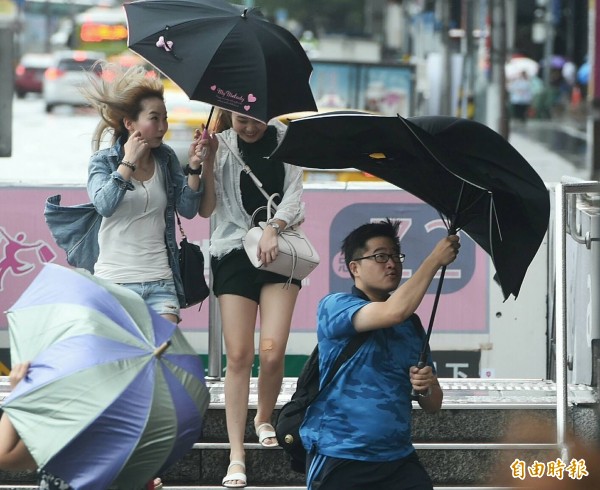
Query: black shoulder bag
[[191, 268]]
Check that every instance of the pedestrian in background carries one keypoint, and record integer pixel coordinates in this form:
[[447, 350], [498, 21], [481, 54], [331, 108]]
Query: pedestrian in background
[[357, 433], [521, 95], [231, 198]]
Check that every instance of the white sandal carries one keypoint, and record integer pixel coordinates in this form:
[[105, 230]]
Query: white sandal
[[239, 476], [266, 431]]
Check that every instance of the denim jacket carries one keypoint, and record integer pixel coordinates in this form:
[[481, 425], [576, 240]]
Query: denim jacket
[[106, 188]]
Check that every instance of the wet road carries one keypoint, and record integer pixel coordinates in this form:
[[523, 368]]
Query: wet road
[[563, 139]]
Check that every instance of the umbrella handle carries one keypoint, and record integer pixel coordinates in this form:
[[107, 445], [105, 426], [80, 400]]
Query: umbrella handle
[[414, 394], [160, 350], [204, 151], [423, 356]]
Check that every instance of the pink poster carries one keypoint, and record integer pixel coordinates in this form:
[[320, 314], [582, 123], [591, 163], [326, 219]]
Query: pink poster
[[26, 244]]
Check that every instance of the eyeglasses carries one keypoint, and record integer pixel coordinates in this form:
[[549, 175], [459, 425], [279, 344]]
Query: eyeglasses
[[382, 258]]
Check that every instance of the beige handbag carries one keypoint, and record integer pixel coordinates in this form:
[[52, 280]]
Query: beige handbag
[[297, 257]]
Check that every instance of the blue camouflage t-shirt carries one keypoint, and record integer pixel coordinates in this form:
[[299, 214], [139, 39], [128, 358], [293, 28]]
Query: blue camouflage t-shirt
[[365, 412]]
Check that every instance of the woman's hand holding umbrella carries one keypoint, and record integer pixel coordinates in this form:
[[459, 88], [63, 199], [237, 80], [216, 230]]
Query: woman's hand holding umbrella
[[18, 372], [203, 148]]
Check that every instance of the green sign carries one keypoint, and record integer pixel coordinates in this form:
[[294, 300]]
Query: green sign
[[293, 365]]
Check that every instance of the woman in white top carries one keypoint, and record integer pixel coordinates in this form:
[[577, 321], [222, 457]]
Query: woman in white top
[[231, 197]]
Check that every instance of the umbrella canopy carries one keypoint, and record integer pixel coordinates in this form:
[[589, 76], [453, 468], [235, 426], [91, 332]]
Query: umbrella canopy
[[520, 64], [225, 55], [465, 170], [583, 73], [106, 372]]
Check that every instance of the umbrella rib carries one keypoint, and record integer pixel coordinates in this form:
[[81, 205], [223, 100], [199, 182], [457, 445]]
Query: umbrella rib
[[495, 216], [435, 158]]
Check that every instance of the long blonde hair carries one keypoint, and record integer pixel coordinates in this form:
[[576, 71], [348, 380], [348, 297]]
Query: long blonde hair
[[222, 119], [117, 94]]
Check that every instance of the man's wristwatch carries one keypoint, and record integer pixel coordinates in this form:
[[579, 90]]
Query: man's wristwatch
[[192, 171], [425, 394], [275, 225]]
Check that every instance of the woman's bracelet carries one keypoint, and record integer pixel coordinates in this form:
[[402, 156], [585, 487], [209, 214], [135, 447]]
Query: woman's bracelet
[[130, 165]]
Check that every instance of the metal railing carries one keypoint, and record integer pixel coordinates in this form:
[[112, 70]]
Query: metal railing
[[562, 190]]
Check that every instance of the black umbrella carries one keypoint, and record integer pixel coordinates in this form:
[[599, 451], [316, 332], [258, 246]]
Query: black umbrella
[[223, 54], [475, 179], [468, 172]]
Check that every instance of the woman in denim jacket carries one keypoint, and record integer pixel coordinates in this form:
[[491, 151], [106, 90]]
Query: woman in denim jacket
[[137, 184]]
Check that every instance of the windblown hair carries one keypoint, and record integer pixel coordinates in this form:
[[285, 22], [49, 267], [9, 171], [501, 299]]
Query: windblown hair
[[222, 120], [118, 94], [355, 244]]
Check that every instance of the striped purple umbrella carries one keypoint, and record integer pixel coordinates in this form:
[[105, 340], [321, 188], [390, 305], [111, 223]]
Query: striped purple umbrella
[[115, 394]]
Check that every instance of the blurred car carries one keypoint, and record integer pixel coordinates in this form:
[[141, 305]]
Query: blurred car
[[184, 117], [29, 73], [65, 76]]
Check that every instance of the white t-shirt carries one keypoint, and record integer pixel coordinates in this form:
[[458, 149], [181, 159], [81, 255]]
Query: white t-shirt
[[132, 240]]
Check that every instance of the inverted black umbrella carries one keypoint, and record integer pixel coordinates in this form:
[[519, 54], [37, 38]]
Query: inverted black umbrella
[[222, 54], [465, 170], [470, 174]]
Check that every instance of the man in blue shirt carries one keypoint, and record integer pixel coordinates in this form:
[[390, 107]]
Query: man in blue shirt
[[358, 432]]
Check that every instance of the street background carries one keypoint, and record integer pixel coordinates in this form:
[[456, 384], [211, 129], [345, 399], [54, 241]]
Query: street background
[[55, 148]]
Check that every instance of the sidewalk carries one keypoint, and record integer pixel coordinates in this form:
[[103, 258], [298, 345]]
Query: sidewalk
[[550, 165]]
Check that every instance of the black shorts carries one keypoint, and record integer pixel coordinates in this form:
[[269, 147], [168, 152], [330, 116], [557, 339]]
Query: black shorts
[[335, 474], [235, 274]]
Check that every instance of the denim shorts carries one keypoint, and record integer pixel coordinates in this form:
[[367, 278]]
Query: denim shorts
[[160, 295]]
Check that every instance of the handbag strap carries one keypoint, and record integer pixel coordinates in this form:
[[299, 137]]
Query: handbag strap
[[268, 207], [183, 236], [253, 177], [347, 353]]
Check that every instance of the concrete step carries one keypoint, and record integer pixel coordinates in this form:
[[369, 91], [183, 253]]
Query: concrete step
[[484, 426], [450, 464], [220, 487]]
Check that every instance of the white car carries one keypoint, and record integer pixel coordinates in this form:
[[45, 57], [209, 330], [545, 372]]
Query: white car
[[65, 76]]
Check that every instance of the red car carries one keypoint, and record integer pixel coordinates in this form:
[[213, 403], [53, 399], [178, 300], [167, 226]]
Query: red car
[[29, 74]]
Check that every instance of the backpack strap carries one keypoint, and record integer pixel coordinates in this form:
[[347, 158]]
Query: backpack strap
[[346, 354], [350, 348]]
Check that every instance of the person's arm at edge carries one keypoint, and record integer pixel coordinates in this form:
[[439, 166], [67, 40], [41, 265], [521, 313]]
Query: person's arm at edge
[[14, 455]]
